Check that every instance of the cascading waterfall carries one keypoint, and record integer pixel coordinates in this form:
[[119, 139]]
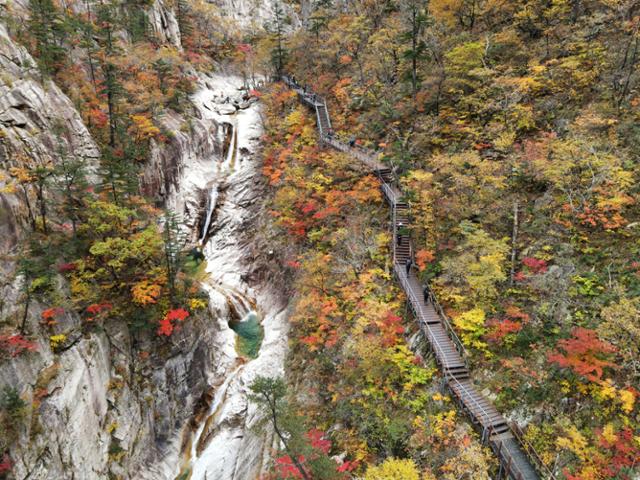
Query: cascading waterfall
[[251, 325], [211, 205], [214, 192], [203, 430]]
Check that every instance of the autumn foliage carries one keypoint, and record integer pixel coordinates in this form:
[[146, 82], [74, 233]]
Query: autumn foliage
[[584, 353], [16, 344], [170, 321]]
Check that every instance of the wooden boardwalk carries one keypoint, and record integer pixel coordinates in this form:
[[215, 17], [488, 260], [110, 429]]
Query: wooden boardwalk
[[516, 457]]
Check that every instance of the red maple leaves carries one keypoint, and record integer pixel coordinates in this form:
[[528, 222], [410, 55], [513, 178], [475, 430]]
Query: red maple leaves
[[583, 353], [168, 323], [286, 468], [16, 344], [95, 309], [49, 315]]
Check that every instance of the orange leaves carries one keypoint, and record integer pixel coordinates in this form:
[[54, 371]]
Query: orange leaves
[[391, 329], [583, 354], [168, 322], [499, 329], [424, 257], [607, 214], [366, 190], [145, 293], [49, 315]]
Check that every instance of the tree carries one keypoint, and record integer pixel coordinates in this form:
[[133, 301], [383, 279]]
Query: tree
[[621, 327], [69, 178], [270, 395], [416, 12], [584, 353], [306, 450], [472, 275], [107, 20], [393, 469], [174, 240], [276, 27], [46, 26], [183, 17]]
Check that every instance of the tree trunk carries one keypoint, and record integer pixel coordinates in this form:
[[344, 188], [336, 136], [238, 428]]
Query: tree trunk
[[514, 239]]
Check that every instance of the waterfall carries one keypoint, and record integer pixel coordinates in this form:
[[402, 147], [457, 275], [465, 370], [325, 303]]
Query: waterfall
[[211, 205], [213, 193], [216, 404], [250, 321]]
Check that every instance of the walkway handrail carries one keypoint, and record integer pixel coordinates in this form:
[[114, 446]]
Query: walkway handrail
[[404, 280], [519, 434], [447, 325], [469, 395]]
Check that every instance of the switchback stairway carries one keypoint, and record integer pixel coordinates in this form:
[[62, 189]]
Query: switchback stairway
[[517, 459]]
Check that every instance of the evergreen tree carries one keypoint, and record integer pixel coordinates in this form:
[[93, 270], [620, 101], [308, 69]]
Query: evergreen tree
[[70, 181], [174, 242], [107, 22], [119, 175], [136, 21], [185, 25], [418, 20], [46, 27], [277, 29]]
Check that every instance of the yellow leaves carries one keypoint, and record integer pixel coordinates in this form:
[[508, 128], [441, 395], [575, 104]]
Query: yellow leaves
[[575, 442], [197, 304], [145, 293], [22, 174], [607, 393], [143, 128], [446, 11], [478, 265], [472, 327], [505, 140], [608, 433], [295, 120], [627, 400], [393, 469], [438, 397], [57, 340]]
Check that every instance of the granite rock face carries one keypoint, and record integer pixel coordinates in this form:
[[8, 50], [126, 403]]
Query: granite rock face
[[95, 410], [37, 122]]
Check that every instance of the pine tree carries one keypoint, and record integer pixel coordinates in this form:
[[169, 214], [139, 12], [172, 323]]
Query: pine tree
[[276, 28], [418, 20], [46, 26], [184, 21], [107, 21], [136, 21], [70, 180]]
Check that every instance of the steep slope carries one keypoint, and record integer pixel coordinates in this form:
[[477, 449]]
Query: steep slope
[[102, 401]]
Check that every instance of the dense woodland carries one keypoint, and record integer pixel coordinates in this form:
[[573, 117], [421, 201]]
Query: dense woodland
[[512, 126], [513, 129]]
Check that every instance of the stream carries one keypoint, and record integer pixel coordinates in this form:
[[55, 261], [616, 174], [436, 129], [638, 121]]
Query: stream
[[251, 329]]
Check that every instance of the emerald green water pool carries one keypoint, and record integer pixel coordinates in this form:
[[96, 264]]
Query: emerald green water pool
[[250, 335]]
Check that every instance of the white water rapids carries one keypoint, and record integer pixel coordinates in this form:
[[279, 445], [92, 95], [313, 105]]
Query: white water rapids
[[224, 447]]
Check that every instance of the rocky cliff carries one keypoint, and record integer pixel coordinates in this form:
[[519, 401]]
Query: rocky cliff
[[93, 408], [108, 404]]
